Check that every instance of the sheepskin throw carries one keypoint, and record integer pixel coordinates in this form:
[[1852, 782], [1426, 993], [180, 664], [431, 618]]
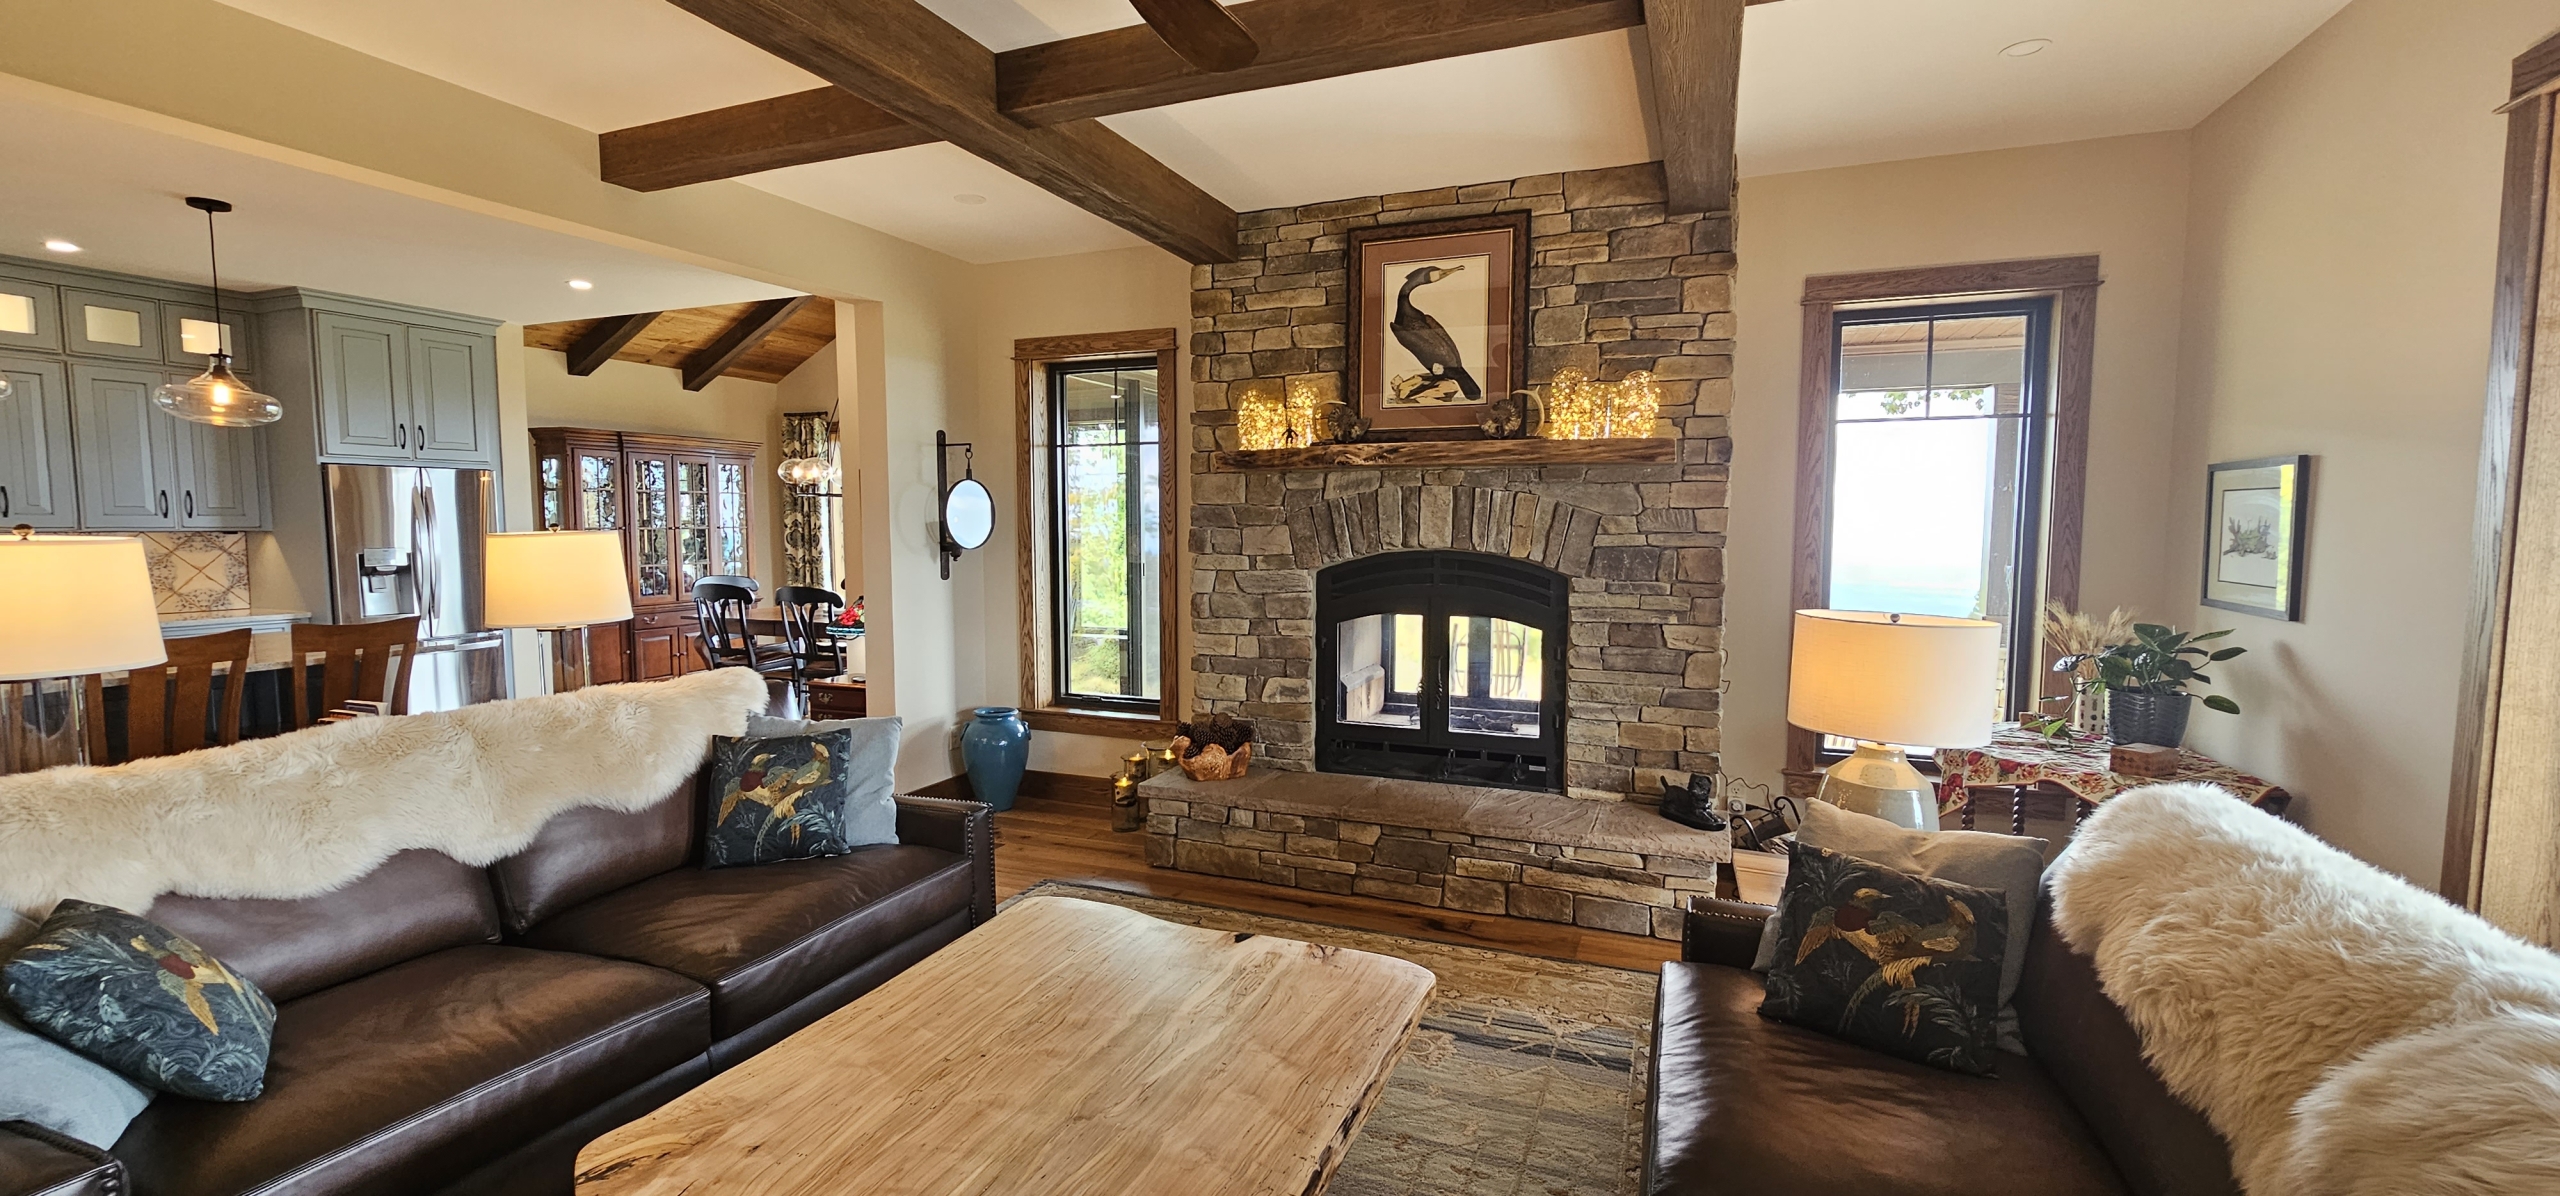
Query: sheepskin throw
[[301, 814], [2348, 1033]]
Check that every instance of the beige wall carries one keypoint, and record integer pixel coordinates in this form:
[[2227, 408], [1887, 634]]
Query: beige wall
[[2344, 231], [2123, 199], [1115, 291]]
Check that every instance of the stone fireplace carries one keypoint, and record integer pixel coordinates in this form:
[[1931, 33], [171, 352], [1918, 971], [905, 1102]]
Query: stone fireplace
[[1483, 631]]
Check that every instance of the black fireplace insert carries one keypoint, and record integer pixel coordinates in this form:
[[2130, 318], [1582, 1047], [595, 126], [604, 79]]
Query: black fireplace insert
[[1442, 666]]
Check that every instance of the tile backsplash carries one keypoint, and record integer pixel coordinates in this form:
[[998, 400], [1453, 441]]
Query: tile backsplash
[[196, 573]]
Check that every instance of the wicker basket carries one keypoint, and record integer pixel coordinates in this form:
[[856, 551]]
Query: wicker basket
[[1213, 763]]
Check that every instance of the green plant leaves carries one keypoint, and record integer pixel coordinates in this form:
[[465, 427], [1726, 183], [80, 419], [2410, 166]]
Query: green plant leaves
[[2223, 704]]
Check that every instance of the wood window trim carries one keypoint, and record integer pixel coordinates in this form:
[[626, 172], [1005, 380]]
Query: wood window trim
[[1032, 358], [2517, 310], [2073, 284]]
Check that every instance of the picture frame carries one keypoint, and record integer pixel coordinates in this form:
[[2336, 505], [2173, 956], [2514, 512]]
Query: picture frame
[[1426, 351], [2256, 521]]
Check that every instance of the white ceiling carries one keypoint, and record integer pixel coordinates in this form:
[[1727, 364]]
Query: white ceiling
[[1825, 83], [114, 190]]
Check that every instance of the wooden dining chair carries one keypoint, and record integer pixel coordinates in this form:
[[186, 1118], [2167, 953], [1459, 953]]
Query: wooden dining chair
[[721, 609], [170, 708], [806, 613], [358, 662]]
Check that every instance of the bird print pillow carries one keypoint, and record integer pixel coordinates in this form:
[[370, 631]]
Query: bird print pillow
[[144, 1001], [1903, 964], [777, 797]]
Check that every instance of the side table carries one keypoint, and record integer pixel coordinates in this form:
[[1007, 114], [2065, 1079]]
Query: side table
[[2018, 759]]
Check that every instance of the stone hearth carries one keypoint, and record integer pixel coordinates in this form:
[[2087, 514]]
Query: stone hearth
[[1605, 865]]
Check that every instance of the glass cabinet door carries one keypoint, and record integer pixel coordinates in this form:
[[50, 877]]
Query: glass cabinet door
[[652, 526], [548, 467], [599, 486], [733, 517], [693, 520]]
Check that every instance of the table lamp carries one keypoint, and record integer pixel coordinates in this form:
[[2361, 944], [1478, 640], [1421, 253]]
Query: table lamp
[[72, 606], [557, 582], [1887, 680]]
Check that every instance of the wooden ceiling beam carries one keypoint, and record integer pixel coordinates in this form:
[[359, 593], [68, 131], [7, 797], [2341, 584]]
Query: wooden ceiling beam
[[808, 126], [743, 336], [899, 56], [598, 346], [1696, 48]]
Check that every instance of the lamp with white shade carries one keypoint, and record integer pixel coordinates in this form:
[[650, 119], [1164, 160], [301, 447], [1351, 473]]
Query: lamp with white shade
[[557, 582], [73, 605], [1887, 680]]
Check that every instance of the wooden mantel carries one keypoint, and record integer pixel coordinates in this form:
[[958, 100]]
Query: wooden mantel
[[1413, 454]]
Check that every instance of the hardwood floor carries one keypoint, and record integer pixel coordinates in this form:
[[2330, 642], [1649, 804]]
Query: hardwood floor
[[1069, 838]]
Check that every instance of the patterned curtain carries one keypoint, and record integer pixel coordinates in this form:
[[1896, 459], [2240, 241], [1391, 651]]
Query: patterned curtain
[[808, 531]]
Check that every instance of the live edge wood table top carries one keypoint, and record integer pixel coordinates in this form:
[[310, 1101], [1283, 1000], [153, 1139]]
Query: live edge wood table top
[[1066, 1048]]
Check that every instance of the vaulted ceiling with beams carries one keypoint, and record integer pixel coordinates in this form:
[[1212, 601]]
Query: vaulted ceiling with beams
[[1566, 84]]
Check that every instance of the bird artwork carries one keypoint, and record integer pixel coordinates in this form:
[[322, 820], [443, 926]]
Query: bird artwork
[[185, 970], [1898, 946], [1422, 335]]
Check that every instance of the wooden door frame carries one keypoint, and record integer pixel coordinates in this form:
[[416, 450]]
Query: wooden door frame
[[1031, 359], [2521, 226], [2073, 283]]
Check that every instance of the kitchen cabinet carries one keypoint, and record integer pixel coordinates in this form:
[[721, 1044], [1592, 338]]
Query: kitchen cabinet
[[221, 475], [36, 474], [140, 469], [384, 384], [100, 324], [189, 332], [364, 388], [30, 315], [686, 509], [453, 396]]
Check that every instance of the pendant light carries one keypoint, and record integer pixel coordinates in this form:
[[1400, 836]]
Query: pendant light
[[217, 396]]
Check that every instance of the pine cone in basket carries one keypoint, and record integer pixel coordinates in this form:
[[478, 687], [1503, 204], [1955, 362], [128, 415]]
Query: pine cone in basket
[[1226, 731]]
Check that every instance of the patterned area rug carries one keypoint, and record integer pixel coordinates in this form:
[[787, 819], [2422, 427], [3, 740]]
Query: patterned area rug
[[1526, 1077]]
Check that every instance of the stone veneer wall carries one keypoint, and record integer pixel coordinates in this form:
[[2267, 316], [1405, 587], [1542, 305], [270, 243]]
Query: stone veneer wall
[[1618, 285]]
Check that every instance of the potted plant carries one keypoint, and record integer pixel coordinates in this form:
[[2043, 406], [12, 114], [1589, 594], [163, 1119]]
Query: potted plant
[[2147, 680], [2077, 640]]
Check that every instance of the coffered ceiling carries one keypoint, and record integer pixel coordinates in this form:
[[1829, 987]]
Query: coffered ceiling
[[1824, 83]]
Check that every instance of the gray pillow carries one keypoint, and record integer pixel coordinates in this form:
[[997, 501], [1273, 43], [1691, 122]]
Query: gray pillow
[[2011, 864], [55, 1087], [871, 770]]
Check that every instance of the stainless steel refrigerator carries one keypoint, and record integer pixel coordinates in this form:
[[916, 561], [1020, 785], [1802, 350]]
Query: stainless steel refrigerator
[[406, 540]]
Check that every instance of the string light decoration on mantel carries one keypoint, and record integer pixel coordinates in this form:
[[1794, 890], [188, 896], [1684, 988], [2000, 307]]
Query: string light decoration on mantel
[[1578, 408], [1262, 422]]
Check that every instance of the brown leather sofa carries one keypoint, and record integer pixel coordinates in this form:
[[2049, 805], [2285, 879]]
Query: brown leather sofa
[[444, 1028], [1744, 1106]]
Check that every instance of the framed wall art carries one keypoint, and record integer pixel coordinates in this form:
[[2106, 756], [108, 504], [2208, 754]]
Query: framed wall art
[[2255, 516], [1439, 319]]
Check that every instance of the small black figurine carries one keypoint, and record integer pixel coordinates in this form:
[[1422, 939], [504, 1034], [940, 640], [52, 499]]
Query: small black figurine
[[1339, 423], [1506, 417], [1693, 804]]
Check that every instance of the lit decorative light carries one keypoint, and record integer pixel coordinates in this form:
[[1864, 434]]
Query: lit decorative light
[[2033, 45], [1577, 408], [1305, 398], [217, 396], [58, 245], [580, 284], [1634, 406], [1261, 422], [806, 471]]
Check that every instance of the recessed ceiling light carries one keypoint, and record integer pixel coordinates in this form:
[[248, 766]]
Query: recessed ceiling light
[[969, 199], [58, 245], [2033, 45], [580, 284]]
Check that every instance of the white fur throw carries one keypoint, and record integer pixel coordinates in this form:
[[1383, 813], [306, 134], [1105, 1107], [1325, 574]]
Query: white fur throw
[[2348, 1033], [301, 814]]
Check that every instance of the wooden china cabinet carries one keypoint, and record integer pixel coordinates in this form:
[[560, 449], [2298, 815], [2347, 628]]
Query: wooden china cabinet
[[685, 509]]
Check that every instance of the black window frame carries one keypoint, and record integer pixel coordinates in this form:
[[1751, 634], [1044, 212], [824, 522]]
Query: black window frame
[[1061, 637], [2037, 408]]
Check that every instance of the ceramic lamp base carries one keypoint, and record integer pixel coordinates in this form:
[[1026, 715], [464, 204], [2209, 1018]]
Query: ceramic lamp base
[[1878, 780]]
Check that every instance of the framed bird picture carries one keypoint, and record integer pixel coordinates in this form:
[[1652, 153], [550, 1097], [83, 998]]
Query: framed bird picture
[[1439, 321]]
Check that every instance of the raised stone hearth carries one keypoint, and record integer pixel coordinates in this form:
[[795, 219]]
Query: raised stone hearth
[[1606, 865]]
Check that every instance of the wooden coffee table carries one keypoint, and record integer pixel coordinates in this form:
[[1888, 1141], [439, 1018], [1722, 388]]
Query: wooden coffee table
[[1065, 1048]]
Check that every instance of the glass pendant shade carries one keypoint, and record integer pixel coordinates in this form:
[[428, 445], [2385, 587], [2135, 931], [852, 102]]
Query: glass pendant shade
[[218, 397], [7, 387], [806, 471]]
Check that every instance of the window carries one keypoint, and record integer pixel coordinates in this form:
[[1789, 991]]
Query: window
[[1938, 446], [1943, 441], [1097, 545], [1106, 472]]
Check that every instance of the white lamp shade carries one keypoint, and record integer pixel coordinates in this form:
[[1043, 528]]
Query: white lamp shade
[[554, 579], [1919, 680], [73, 605]]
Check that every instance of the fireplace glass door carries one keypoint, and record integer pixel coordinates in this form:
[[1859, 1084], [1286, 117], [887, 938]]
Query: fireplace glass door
[[1442, 666]]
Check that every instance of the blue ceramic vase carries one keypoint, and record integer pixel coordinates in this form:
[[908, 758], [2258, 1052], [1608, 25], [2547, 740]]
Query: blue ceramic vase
[[996, 748]]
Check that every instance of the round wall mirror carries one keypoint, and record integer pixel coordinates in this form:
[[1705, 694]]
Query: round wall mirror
[[969, 513]]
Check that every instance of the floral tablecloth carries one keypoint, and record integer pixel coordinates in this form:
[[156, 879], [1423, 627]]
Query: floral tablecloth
[[2020, 757]]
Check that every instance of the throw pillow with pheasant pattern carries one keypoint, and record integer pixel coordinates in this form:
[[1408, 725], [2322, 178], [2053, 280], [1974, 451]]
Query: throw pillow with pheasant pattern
[[1903, 964], [144, 1001], [778, 797]]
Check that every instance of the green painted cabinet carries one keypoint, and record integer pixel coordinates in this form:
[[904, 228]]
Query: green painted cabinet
[[37, 486], [127, 449]]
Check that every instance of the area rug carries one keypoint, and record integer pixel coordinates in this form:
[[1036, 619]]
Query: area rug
[[1526, 1077]]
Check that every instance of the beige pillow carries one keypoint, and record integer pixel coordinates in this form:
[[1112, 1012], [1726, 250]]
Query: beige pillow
[[2012, 864]]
